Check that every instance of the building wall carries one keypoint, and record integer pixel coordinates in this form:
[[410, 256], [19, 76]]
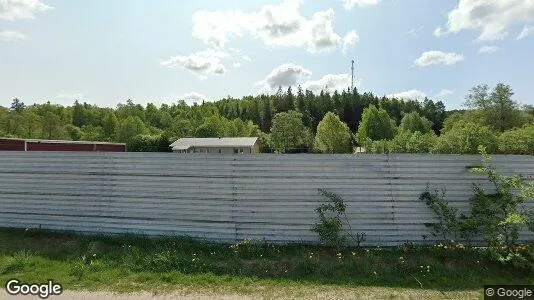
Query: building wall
[[18, 145], [11, 145], [234, 197], [221, 150]]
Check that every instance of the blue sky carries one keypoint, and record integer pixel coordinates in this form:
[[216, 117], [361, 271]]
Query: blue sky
[[105, 52]]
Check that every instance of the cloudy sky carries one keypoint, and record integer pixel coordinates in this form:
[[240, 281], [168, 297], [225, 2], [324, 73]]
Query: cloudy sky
[[107, 51]]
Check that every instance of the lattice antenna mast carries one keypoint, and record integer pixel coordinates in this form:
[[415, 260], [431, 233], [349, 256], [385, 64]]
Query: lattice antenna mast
[[352, 78]]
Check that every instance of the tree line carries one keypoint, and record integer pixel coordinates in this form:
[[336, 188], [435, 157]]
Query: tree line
[[287, 122]]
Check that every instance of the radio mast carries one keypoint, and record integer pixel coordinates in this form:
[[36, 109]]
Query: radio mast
[[352, 81]]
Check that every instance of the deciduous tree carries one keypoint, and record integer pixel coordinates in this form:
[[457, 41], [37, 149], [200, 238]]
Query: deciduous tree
[[333, 136]]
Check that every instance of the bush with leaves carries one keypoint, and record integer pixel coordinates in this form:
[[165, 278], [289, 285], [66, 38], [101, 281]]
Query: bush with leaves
[[518, 141], [149, 143], [404, 142], [499, 215], [450, 225], [464, 138], [332, 216]]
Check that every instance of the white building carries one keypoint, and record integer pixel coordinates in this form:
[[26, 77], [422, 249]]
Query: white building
[[225, 145]]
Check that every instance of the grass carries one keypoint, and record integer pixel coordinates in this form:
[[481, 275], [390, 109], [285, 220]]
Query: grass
[[132, 263]]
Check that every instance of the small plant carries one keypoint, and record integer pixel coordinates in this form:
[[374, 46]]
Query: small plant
[[16, 263], [331, 218], [83, 264], [498, 216], [450, 224], [447, 225]]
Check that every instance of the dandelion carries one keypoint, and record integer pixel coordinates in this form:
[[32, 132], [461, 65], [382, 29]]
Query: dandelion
[[353, 253]]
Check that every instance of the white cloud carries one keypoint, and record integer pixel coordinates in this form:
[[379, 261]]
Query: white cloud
[[410, 95], [414, 32], [488, 49], [527, 30], [12, 10], [349, 4], [11, 36], [246, 58], [236, 64], [66, 98], [201, 63], [330, 83], [439, 31], [492, 18], [193, 97], [349, 40], [293, 75], [430, 58], [276, 25], [71, 96], [285, 75], [444, 93]]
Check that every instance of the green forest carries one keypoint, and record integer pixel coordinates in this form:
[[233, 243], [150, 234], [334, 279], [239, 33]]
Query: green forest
[[294, 121]]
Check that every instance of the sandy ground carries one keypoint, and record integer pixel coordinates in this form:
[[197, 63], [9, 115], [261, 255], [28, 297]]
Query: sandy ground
[[312, 293]]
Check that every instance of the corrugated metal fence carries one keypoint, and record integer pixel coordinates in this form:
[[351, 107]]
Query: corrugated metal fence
[[232, 197]]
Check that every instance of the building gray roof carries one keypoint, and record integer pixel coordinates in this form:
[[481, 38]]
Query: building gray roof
[[186, 143], [60, 141]]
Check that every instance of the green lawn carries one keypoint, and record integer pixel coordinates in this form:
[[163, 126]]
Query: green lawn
[[134, 263]]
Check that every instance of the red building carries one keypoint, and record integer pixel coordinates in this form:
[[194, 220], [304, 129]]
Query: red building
[[8, 144]]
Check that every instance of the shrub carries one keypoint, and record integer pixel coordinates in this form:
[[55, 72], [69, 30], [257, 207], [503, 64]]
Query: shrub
[[465, 138], [149, 143], [404, 142], [518, 141], [497, 216], [330, 226], [413, 122]]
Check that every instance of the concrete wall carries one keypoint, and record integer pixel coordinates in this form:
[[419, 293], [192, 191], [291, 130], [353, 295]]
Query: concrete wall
[[232, 197]]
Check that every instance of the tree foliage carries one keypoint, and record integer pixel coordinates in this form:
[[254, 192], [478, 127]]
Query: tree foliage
[[333, 136], [465, 138], [371, 121], [149, 143], [413, 122], [499, 110], [518, 141], [288, 133], [376, 125]]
